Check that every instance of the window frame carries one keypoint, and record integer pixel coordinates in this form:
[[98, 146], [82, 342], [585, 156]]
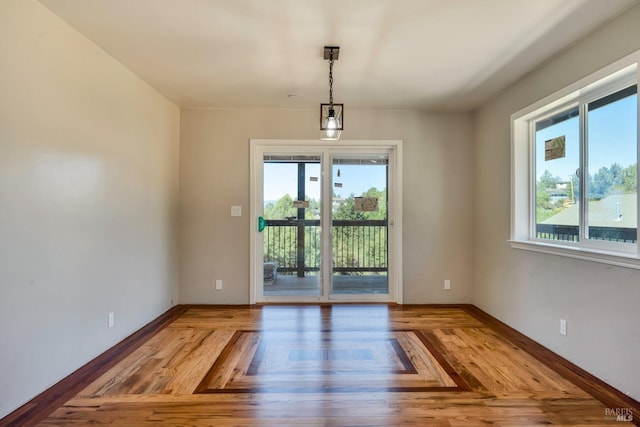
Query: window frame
[[608, 80]]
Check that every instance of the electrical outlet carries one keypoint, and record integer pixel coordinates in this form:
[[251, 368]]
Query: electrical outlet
[[447, 284], [563, 327], [218, 285], [111, 321]]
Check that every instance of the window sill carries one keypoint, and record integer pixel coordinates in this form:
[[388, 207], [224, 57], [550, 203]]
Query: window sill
[[612, 258]]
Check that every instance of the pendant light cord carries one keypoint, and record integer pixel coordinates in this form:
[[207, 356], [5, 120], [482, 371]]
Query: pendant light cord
[[331, 79]]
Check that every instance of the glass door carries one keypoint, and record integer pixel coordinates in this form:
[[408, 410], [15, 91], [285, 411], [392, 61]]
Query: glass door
[[292, 226], [325, 222], [360, 224]]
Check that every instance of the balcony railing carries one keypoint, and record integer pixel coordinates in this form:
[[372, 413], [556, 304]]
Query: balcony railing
[[571, 233], [359, 246]]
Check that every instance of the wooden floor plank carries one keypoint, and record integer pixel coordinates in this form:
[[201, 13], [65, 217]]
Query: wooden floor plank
[[326, 366]]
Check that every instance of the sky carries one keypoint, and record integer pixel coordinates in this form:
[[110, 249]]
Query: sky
[[612, 139], [281, 178]]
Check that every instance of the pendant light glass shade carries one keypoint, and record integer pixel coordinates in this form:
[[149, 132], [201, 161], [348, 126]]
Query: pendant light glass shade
[[331, 124]]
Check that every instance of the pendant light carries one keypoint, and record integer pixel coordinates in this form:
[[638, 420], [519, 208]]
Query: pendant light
[[331, 118]]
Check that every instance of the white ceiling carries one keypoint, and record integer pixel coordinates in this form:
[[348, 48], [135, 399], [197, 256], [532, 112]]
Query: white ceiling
[[427, 54]]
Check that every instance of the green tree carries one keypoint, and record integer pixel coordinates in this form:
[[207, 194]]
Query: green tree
[[313, 211], [606, 181], [548, 181], [630, 179], [545, 208], [347, 210], [281, 209]]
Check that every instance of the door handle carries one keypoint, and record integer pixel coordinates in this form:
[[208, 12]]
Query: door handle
[[261, 224]]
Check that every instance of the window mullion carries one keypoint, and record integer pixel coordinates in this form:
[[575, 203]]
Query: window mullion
[[584, 174]]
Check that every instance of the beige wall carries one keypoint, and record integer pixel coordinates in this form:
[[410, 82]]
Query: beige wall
[[532, 291], [214, 174], [88, 201]]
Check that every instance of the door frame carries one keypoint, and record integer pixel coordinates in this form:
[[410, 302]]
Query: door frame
[[257, 147]]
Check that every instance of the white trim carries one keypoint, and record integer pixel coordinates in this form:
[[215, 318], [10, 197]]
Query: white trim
[[604, 257], [395, 197], [255, 190], [327, 148]]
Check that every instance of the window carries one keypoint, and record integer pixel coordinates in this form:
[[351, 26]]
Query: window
[[575, 169]]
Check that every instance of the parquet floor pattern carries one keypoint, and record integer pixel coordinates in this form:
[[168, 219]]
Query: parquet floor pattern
[[213, 367]]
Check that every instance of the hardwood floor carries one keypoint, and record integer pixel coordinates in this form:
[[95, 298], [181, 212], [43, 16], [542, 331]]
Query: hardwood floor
[[341, 365]]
